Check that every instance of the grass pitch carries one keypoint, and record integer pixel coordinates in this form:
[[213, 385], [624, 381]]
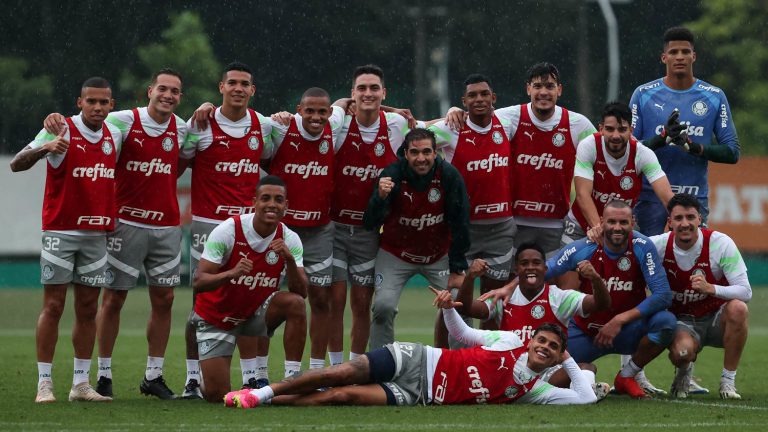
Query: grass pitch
[[132, 411]]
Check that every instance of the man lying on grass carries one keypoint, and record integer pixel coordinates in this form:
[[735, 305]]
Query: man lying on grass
[[497, 368]]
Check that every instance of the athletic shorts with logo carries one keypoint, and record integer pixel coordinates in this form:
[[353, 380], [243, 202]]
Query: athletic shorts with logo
[[707, 330], [354, 254], [409, 384], [493, 243], [199, 235], [214, 342], [318, 252], [69, 258], [130, 248]]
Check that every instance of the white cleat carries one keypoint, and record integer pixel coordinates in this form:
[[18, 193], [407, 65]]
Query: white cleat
[[647, 387], [601, 390], [84, 392], [680, 385], [728, 391], [695, 388], [45, 393]]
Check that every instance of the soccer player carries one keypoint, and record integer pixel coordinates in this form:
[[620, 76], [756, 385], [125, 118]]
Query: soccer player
[[543, 137], [422, 204], [237, 284], [304, 159], [147, 233], [609, 166], [703, 109], [481, 152], [497, 368], [709, 281], [707, 121], [78, 208], [226, 158], [368, 143]]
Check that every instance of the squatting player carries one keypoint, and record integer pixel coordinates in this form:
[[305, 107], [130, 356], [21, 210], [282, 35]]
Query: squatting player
[[78, 209], [498, 368], [237, 284]]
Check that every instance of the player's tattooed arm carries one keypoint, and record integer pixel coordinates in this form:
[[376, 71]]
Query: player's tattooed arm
[[29, 156]]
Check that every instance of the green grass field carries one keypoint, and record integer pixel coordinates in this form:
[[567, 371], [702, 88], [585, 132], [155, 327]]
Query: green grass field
[[131, 411]]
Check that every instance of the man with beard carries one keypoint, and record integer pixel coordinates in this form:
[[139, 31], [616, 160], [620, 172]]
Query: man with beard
[[609, 166]]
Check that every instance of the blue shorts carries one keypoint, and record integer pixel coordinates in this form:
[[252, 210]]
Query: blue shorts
[[651, 216], [659, 327]]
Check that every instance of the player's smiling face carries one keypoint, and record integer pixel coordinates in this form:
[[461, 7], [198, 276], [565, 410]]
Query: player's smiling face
[[237, 89], [165, 94], [270, 204], [314, 112], [544, 92], [368, 92], [421, 156], [95, 103], [616, 134], [679, 57], [617, 224], [478, 99], [685, 222], [544, 351], [530, 268]]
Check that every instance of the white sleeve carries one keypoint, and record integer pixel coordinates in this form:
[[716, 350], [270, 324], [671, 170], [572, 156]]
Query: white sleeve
[[336, 121], [181, 130], [509, 117], [660, 241], [464, 333], [398, 128], [566, 303], [266, 136], [446, 139], [220, 242], [729, 261], [342, 135], [278, 135], [647, 163], [580, 393], [294, 244], [581, 127], [586, 155], [196, 141]]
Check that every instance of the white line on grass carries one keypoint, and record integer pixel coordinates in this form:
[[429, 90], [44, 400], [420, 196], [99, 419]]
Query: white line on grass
[[735, 405]]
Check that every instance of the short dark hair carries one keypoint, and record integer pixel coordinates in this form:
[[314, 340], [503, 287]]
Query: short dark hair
[[617, 203], [237, 66], [477, 78], [371, 69], [165, 71], [553, 328], [678, 34], [96, 82], [528, 246], [617, 109], [685, 201], [315, 92], [271, 180], [543, 70], [419, 134]]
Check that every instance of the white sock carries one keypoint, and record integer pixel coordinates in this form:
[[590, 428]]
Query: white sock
[[154, 367], [353, 356], [630, 369], [625, 358], [44, 372], [193, 371], [316, 363], [728, 376], [264, 394], [82, 369], [105, 367], [291, 368], [248, 369], [261, 367], [336, 357]]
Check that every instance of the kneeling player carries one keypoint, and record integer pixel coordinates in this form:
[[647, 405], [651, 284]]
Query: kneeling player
[[237, 284], [498, 368]]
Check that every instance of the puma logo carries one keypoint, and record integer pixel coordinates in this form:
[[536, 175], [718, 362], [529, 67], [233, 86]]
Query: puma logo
[[244, 254], [140, 142], [661, 107], [294, 145], [357, 145], [529, 135], [225, 144], [81, 147], [508, 312], [602, 174], [503, 359], [471, 140], [673, 272], [409, 195]]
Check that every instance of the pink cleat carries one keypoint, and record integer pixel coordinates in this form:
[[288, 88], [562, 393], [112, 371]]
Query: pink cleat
[[229, 398], [246, 400]]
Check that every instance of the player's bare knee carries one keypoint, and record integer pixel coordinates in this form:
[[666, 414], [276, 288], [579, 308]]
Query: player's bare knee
[[736, 312], [162, 298], [588, 367]]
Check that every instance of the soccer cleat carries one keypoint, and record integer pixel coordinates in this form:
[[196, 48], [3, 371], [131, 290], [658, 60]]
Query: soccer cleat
[[156, 387], [680, 384], [229, 398], [192, 390], [254, 384], [246, 400], [728, 391], [85, 393], [695, 388], [104, 386], [647, 387], [45, 392], [628, 385], [601, 390]]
